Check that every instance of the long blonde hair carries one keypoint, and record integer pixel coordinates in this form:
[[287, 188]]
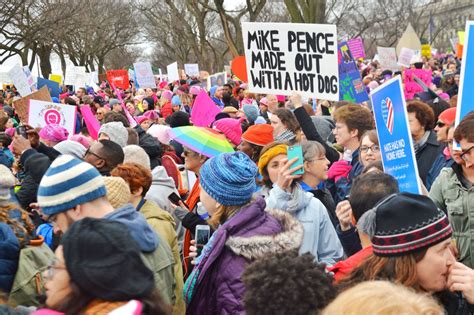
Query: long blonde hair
[[382, 298]]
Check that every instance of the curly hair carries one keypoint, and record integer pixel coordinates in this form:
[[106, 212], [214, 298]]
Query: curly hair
[[355, 117], [423, 113], [135, 175], [286, 283]]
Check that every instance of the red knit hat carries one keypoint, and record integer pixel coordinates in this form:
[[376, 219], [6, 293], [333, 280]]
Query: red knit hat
[[260, 135], [448, 116]]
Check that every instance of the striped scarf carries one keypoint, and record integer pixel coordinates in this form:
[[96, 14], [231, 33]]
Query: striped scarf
[[287, 136]]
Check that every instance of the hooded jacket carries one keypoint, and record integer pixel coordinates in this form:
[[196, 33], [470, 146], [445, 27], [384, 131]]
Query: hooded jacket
[[163, 224], [157, 254], [161, 187], [249, 235], [9, 255], [320, 238]]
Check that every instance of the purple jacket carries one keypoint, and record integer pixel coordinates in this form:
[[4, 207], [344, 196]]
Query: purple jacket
[[251, 234]]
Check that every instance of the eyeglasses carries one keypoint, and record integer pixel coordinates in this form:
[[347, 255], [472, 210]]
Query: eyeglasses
[[466, 155], [440, 124], [374, 148], [52, 266], [189, 153], [317, 159], [88, 151]]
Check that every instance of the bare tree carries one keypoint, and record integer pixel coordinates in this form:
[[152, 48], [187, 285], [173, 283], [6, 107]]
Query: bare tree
[[306, 11]]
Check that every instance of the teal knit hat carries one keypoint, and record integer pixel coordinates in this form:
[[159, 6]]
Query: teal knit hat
[[229, 178], [69, 182]]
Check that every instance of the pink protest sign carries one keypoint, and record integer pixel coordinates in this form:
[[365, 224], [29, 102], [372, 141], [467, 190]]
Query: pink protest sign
[[204, 110], [92, 123], [356, 46], [131, 120], [410, 85]]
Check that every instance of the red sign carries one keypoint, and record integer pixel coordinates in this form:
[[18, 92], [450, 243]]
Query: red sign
[[118, 78]]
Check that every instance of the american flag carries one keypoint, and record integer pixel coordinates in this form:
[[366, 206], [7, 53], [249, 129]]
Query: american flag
[[389, 121]]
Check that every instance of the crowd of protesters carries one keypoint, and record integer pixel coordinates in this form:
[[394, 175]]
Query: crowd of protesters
[[86, 225]]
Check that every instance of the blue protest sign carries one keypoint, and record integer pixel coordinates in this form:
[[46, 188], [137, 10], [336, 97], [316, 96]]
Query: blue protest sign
[[396, 144], [466, 92], [351, 87], [53, 87]]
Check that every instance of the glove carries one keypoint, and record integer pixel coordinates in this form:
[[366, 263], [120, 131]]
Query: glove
[[338, 170]]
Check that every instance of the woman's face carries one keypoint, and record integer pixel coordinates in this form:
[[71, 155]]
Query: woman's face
[[318, 167], [273, 167], [369, 151], [432, 271], [9, 123], [57, 285], [277, 125], [246, 148], [100, 114], [131, 108], [209, 203], [149, 92], [342, 134], [145, 106], [192, 160], [417, 130], [146, 124]]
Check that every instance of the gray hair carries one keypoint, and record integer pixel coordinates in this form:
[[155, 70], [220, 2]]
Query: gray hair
[[312, 149]]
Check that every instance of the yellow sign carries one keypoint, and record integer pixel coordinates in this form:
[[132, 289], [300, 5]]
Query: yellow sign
[[56, 78], [426, 50], [461, 37]]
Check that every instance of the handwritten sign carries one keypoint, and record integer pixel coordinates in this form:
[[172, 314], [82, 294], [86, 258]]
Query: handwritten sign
[[356, 45], [351, 87], [21, 105], [172, 69], [20, 80], [144, 75], [191, 69], [286, 57], [388, 58]]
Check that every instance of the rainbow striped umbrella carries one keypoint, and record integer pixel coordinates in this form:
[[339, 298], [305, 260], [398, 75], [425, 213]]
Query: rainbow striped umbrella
[[202, 140]]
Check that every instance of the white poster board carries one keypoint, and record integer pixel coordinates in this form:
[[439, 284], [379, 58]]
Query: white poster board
[[406, 54], [218, 79], [286, 57], [191, 69], [19, 79], [388, 58], [42, 113], [144, 75], [172, 69]]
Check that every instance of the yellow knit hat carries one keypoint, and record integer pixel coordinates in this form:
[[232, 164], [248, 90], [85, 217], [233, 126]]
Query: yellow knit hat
[[270, 154], [118, 191]]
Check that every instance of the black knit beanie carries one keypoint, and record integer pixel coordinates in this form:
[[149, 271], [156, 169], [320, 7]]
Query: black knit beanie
[[404, 223], [104, 261]]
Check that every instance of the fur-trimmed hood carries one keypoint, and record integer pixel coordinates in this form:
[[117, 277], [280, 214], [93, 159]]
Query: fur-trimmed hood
[[255, 247]]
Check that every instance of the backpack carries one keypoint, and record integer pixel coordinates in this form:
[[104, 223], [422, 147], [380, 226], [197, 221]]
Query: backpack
[[28, 285]]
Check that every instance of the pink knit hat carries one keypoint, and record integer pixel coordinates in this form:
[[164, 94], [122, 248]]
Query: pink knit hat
[[167, 94], [162, 85], [160, 132], [231, 128], [82, 140], [151, 114], [194, 90], [281, 98], [55, 133]]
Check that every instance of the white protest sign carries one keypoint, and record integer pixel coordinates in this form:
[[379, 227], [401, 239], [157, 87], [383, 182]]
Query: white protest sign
[[29, 78], [42, 113], [286, 57], [388, 58], [19, 79], [93, 78], [191, 69], [144, 75], [405, 57], [172, 69], [70, 76], [4, 78], [82, 77]]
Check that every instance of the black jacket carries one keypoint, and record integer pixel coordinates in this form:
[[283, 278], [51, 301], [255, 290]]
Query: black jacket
[[312, 134], [150, 145], [426, 155]]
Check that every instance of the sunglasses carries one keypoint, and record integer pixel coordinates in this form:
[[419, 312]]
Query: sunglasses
[[440, 124]]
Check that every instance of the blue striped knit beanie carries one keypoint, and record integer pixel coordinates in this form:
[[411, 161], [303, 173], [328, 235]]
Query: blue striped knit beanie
[[229, 178], [69, 182]]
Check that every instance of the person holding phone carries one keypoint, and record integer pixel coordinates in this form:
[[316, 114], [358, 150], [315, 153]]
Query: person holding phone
[[320, 238], [244, 232]]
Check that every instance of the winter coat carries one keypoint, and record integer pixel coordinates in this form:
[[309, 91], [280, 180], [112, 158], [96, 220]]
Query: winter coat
[[164, 225], [350, 240], [426, 155], [340, 189], [9, 255], [252, 233], [35, 164], [320, 238], [441, 162], [156, 253], [345, 267], [451, 196], [151, 146]]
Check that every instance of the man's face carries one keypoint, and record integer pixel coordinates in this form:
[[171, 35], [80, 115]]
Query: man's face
[[93, 155], [452, 67], [80, 93], [226, 89]]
